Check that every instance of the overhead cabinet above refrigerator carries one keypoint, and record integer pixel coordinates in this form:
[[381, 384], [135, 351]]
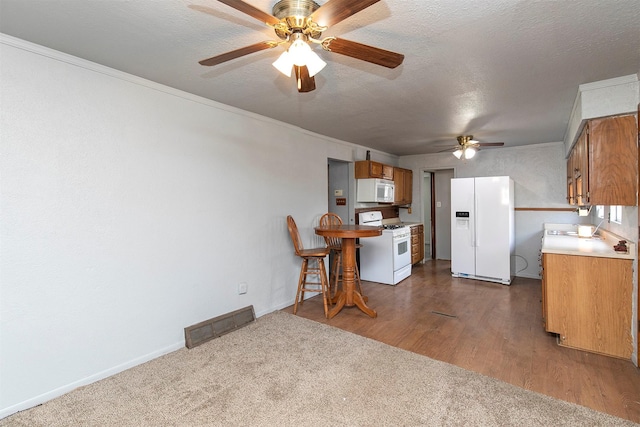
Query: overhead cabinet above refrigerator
[[483, 228]]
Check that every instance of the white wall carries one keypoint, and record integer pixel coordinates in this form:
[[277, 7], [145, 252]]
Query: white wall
[[129, 211]]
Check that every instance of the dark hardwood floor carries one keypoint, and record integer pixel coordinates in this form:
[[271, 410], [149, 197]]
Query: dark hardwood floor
[[489, 328]]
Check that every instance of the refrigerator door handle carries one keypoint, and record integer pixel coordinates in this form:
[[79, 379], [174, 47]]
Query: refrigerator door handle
[[476, 220]]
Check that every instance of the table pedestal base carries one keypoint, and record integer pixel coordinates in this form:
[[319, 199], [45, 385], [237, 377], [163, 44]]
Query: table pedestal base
[[358, 300], [348, 296]]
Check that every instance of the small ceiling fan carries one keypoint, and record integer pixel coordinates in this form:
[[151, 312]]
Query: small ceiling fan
[[299, 24], [467, 146]]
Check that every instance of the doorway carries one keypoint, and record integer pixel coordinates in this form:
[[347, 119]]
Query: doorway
[[341, 190], [437, 213]]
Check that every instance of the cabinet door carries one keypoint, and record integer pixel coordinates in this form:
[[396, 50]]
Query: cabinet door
[[367, 169], [571, 188], [387, 172], [613, 161], [588, 302], [399, 195], [544, 292], [408, 186], [581, 168], [403, 180], [375, 170]]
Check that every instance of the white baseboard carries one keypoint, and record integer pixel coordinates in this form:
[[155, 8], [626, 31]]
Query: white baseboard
[[45, 397]]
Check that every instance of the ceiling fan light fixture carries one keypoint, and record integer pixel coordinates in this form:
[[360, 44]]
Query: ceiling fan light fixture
[[458, 153], [300, 54]]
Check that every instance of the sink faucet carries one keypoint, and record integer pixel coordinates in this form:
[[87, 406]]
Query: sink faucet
[[598, 226]]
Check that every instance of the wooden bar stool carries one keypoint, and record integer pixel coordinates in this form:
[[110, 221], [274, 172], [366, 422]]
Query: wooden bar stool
[[335, 245], [310, 257]]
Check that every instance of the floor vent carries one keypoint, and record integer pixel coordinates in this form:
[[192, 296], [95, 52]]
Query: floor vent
[[205, 331], [439, 313]]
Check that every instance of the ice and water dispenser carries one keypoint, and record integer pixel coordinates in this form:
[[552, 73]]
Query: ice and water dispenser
[[462, 220]]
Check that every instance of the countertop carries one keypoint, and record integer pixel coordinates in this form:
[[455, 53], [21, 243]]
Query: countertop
[[563, 239], [411, 224]]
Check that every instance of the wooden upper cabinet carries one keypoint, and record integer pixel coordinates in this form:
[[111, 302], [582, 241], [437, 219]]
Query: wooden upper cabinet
[[403, 180], [370, 169], [571, 185], [613, 161], [602, 168]]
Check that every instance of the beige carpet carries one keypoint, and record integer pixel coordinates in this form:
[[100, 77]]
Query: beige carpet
[[283, 370]]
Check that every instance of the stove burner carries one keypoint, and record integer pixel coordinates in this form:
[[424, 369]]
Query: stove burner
[[392, 226]]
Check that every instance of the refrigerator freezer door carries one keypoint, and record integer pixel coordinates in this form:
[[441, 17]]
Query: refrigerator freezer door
[[462, 226]]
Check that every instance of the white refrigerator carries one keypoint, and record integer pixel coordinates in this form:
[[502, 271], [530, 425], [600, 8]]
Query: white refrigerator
[[483, 228]]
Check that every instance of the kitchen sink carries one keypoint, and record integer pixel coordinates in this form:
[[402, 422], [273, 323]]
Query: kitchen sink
[[561, 233]]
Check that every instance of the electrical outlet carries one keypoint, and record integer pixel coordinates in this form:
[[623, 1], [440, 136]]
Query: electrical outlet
[[242, 288]]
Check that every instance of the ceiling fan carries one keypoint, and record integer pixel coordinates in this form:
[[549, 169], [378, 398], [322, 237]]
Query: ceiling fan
[[299, 24], [467, 146]]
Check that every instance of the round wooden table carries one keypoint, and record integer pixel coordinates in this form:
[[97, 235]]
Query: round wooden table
[[348, 296]]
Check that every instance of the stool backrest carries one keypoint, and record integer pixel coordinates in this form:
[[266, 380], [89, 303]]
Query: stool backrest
[[331, 219], [295, 235]]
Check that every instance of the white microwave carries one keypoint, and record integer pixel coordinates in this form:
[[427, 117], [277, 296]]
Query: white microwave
[[375, 190]]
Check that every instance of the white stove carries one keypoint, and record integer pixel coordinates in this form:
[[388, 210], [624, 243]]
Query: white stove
[[385, 258]]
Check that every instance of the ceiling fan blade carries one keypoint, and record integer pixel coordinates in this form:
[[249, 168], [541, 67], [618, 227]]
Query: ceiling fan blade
[[334, 11], [447, 149], [371, 54], [215, 60], [490, 144], [305, 82], [251, 11]]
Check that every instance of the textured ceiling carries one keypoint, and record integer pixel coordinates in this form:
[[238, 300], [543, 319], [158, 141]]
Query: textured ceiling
[[502, 70]]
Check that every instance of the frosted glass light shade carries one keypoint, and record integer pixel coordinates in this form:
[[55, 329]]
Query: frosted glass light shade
[[284, 64], [314, 63], [469, 152], [299, 52]]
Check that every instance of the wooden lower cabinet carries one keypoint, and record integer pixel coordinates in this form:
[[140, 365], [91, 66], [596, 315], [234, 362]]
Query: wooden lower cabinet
[[587, 302], [417, 243]]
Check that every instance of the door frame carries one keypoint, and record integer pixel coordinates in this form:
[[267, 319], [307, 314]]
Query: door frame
[[432, 172]]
